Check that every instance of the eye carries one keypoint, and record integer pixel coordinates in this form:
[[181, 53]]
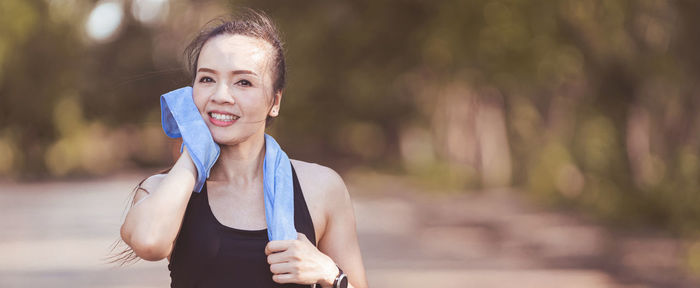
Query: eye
[[206, 79], [244, 82]]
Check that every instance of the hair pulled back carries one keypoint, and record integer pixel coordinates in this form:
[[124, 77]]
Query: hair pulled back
[[247, 22]]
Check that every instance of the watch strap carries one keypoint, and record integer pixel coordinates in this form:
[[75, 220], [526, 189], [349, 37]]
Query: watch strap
[[339, 279]]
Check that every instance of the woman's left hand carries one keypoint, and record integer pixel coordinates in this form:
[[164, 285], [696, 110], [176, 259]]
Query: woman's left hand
[[299, 261]]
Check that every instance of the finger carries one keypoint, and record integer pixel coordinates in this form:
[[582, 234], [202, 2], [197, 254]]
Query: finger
[[302, 239], [284, 278], [279, 257], [281, 268], [277, 246]]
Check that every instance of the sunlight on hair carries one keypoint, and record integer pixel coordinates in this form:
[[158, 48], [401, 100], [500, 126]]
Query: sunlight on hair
[[104, 20]]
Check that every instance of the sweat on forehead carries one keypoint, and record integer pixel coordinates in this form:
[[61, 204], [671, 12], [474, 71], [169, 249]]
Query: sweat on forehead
[[234, 52]]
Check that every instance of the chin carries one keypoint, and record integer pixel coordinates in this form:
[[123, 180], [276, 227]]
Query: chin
[[226, 140], [229, 138]]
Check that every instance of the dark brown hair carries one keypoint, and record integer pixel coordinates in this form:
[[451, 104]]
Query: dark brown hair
[[250, 23]]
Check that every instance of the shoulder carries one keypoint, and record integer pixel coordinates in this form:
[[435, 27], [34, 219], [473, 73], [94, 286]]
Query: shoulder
[[321, 184], [321, 175]]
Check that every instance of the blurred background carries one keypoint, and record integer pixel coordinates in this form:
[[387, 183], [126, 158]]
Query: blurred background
[[485, 142]]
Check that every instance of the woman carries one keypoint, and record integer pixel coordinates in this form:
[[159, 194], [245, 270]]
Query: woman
[[217, 238]]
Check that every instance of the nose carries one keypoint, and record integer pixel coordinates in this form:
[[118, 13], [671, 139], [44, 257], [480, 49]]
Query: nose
[[222, 95]]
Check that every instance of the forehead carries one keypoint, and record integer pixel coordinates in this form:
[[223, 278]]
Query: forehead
[[235, 52]]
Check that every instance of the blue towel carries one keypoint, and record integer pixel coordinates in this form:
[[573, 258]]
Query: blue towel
[[181, 118], [279, 192]]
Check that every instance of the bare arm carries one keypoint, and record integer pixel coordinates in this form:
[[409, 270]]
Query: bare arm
[[152, 223], [340, 238], [299, 261]]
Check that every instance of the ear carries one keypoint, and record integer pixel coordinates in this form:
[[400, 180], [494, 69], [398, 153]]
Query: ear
[[275, 110]]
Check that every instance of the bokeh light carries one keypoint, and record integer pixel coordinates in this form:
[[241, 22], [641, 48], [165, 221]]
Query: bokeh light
[[105, 19]]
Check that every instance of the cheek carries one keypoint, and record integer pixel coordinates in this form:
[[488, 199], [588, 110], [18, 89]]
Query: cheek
[[253, 104], [250, 99], [199, 97]]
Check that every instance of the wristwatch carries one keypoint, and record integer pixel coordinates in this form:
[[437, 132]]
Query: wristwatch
[[341, 281]]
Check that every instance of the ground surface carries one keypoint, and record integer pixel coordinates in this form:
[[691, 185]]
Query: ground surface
[[55, 234]]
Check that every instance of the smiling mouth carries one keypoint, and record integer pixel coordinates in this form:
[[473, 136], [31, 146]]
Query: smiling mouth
[[223, 117]]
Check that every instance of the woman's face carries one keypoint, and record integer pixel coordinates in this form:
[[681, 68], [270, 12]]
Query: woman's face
[[233, 87]]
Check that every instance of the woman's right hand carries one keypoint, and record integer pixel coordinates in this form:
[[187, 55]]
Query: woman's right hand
[[152, 223]]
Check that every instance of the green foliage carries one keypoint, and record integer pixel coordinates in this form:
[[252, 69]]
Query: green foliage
[[599, 98]]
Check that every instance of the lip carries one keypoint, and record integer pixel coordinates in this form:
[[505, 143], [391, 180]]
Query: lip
[[220, 123]]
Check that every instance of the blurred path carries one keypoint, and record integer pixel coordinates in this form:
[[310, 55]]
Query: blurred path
[[55, 234]]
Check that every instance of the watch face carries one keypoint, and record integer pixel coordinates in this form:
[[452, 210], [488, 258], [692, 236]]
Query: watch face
[[343, 281]]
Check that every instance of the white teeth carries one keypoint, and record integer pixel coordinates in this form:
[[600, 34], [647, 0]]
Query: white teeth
[[223, 117]]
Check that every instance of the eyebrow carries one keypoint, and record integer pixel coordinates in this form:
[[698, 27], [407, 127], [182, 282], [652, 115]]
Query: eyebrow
[[235, 72]]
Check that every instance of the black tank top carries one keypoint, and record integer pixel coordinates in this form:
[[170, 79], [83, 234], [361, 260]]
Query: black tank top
[[209, 254]]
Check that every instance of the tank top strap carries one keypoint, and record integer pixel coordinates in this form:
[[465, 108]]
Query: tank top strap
[[209, 254], [302, 216]]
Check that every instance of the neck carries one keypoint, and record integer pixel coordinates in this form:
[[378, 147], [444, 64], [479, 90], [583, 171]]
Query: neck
[[241, 163]]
